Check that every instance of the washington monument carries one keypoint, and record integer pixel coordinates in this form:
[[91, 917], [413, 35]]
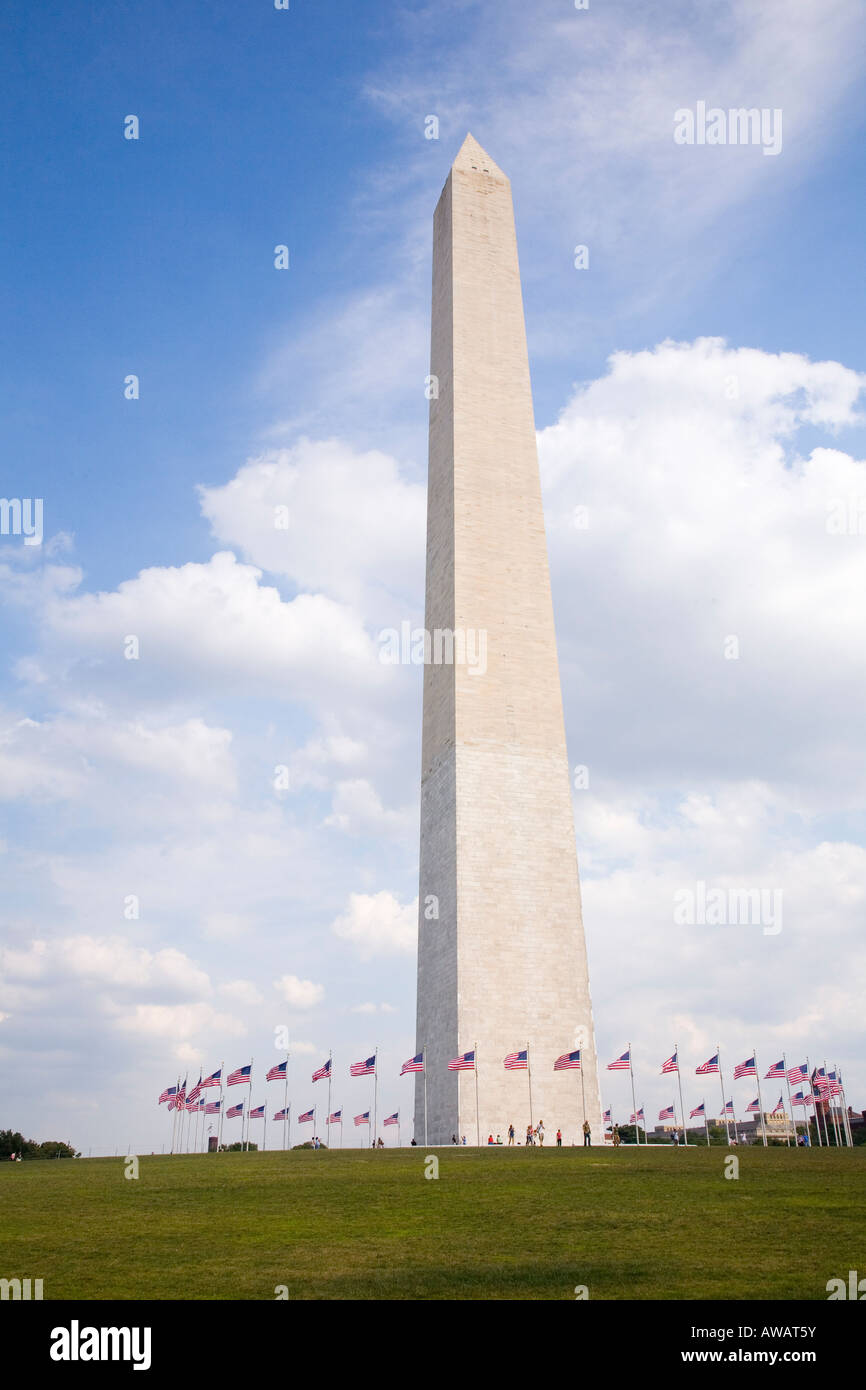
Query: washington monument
[[502, 962]]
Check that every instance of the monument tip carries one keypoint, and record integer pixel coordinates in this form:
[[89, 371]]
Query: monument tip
[[471, 158]]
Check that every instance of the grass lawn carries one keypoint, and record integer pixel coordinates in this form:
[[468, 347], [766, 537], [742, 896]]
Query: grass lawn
[[497, 1224]]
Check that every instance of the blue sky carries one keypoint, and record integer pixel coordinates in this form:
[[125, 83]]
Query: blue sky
[[155, 257]]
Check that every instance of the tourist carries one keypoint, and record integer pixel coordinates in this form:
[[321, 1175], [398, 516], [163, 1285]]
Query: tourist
[[529, 1139], [539, 1133], [499, 1138], [559, 1138], [587, 1134], [490, 1138], [511, 1134], [616, 1139]]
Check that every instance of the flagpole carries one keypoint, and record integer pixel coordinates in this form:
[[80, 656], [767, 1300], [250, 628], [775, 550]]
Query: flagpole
[[424, 1060], [477, 1121], [285, 1100], [250, 1106], [633, 1101], [830, 1105], [790, 1099], [174, 1116], [330, 1069], [826, 1105], [829, 1110], [707, 1126], [680, 1084], [760, 1102], [734, 1117], [724, 1106], [222, 1106], [376, 1096], [817, 1121], [529, 1078], [583, 1090], [846, 1116]]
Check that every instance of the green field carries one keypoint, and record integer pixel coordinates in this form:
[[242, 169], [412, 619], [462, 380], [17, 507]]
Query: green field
[[496, 1224]]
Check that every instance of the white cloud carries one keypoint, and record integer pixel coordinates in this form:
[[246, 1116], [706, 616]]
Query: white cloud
[[354, 522], [199, 625], [377, 924], [300, 994], [357, 809]]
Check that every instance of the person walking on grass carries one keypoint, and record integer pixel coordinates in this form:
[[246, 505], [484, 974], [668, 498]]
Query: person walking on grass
[[511, 1134], [587, 1134], [539, 1133], [559, 1138], [529, 1137]]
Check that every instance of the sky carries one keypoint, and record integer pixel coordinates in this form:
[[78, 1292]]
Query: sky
[[211, 833]]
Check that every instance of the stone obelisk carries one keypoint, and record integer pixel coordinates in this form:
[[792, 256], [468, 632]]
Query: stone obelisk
[[502, 962]]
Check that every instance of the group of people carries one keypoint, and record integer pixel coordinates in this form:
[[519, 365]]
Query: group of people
[[536, 1136]]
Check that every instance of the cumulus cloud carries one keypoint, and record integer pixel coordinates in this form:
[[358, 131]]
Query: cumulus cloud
[[200, 624], [300, 994], [353, 522], [683, 518], [377, 924]]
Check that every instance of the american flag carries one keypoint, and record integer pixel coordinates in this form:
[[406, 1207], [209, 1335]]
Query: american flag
[[671, 1064], [258, 1113], [749, 1068], [307, 1117], [212, 1107], [195, 1106], [835, 1088], [237, 1078], [465, 1062], [180, 1098], [800, 1099], [605, 1119], [166, 1095], [754, 1107], [777, 1071], [212, 1080], [569, 1061], [281, 1114], [277, 1073], [729, 1108], [798, 1074], [235, 1111], [517, 1061], [363, 1119], [324, 1072], [413, 1064], [335, 1119], [622, 1063], [196, 1091], [366, 1068], [667, 1114], [698, 1110], [633, 1119], [709, 1066], [392, 1119], [779, 1106], [820, 1081]]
